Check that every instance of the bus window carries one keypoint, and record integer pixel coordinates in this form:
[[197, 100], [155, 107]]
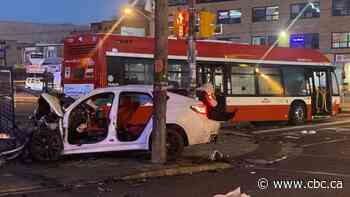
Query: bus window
[[269, 80], [138, 73], [295, 82], [242, 80], [178, 74], [335, 86]]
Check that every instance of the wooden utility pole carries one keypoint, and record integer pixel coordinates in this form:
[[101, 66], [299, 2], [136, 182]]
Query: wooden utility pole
[[160, 82], [192, 46]]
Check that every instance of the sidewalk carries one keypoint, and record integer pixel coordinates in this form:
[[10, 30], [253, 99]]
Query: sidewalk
[[78, 170]]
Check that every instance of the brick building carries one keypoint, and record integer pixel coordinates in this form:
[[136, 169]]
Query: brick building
[[324, 27]]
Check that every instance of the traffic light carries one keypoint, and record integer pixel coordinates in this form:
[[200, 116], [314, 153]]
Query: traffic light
[[206, 24], [181, 23]]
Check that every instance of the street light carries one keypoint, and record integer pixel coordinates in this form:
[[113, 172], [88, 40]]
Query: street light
[[283, 34], [128, 11]]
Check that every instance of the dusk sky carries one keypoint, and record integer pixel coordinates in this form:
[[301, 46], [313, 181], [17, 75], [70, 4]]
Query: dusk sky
[[59, 11]]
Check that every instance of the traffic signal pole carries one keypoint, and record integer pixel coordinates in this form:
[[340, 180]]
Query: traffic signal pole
[[160, 82], [192, 47]]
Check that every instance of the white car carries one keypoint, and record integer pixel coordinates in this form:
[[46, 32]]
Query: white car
[[34, 83], [116, 119]]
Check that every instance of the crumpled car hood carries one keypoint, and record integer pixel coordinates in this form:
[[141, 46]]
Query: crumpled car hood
[[54, 103]]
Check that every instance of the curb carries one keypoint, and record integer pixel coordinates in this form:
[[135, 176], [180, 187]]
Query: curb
[[178, 171], [173, 171]]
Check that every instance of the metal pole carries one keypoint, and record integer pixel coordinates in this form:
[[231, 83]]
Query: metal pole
[[192, 46], [160, 82]]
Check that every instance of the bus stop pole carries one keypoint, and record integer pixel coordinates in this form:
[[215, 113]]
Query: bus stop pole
[[160, 82]]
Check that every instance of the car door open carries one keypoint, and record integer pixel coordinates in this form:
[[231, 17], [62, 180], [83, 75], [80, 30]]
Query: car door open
[[134, 113], [89, 120]]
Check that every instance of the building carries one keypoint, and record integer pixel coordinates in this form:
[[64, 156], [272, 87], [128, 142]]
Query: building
[[25, 32], [133, 25], [323, 26], [137, 22], [16, 37]]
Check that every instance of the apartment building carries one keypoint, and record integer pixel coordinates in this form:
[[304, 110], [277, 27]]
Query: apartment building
[[323, 26]]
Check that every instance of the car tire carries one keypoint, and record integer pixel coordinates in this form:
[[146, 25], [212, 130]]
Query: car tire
[[46, 145], [297, 114], [174, 144]]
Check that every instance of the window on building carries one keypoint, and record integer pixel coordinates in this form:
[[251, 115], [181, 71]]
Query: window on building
[[243, 80], [341, 40], [309, 40], [295, 82], [310, 12], [266, 14], [341, 7], [229, 16], [258, 40], [269, 81], [264, 40]]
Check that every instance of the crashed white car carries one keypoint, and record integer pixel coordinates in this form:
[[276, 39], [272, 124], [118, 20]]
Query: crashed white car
[[116, 119]]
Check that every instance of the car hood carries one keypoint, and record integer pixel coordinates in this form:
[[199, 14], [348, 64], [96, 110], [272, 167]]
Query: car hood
[[54, 103]]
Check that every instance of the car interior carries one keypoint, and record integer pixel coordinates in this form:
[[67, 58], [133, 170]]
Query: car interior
[[89, 121], [134, 112]]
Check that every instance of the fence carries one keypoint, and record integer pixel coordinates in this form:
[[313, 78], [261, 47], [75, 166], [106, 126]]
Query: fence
[[7, 112]]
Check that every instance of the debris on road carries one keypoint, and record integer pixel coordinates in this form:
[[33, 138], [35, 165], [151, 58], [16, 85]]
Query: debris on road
[[216, 155], [234, 193], [308, 132]]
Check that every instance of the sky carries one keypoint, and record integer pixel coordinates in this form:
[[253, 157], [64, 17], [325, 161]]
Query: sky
[[59, 11]]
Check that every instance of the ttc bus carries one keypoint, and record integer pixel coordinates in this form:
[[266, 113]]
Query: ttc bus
[[288, 85]]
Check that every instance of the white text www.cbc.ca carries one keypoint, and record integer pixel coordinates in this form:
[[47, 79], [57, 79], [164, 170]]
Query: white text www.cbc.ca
[[264, 184]]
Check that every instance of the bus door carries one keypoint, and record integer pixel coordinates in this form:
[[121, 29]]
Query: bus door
[[319, 82], [213, 74], [216, 75]]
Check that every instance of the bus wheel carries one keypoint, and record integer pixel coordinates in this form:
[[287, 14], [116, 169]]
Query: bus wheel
[[297, 114]]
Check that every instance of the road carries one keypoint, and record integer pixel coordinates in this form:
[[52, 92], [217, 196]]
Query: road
[[318, 155], [325, 156]]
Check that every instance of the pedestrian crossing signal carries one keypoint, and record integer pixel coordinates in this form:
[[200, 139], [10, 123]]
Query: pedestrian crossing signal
[[181, 24]]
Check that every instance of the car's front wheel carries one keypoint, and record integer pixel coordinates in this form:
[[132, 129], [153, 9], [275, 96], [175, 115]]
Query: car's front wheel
[[174, 144], [46, 145]]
